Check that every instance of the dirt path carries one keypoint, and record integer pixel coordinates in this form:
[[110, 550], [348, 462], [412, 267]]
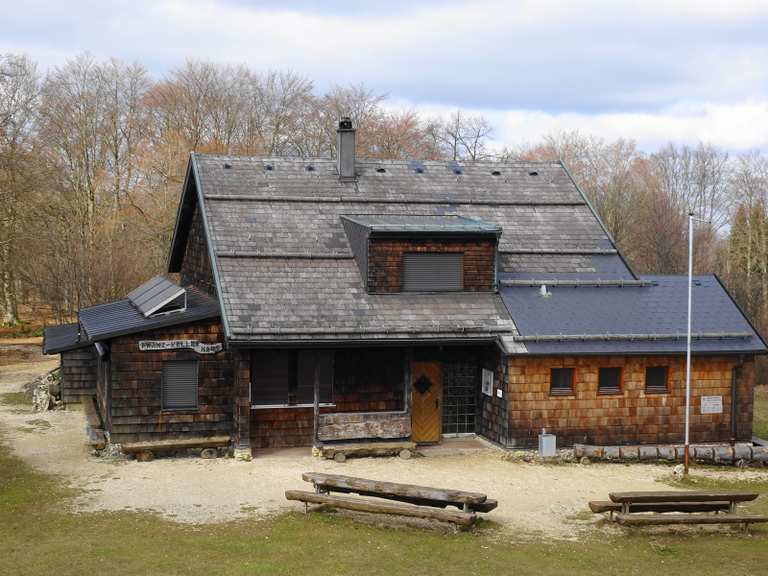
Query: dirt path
[[533, 499]]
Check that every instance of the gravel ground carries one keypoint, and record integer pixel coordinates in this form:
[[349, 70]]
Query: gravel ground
[[534, 499]]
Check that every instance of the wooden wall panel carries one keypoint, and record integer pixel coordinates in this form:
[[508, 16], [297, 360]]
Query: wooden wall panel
[[632, 416], [385, 261], [78, 374], [196, 267], [136, 379]]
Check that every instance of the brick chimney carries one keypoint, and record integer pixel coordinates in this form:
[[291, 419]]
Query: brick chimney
[[345, 149]]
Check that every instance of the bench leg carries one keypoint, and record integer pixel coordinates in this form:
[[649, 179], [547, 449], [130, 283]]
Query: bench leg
[[625, 507]]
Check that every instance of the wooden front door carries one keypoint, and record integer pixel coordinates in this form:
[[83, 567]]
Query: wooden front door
[[426, 396]]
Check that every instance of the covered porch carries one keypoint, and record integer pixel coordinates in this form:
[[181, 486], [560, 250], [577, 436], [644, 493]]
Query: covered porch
[[320, 397]]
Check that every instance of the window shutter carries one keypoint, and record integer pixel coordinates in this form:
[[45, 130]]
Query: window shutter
[[432, 272], [180, 385]]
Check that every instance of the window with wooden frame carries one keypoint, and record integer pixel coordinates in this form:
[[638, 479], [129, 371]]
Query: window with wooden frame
[[179, 385], [287, 377], [656, 379], [561, 381], [609, 380]]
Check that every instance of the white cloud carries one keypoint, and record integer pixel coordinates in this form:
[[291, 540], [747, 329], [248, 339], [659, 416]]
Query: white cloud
[[654, 70]]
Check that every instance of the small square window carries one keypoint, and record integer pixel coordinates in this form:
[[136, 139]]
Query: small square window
[[656, 379], [561, 381], [179, 385], [609, 380]]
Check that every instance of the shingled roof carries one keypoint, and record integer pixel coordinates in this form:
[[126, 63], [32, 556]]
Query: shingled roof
[[285, 270], [646, 316]]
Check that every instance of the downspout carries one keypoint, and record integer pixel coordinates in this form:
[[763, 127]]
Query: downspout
[[735, 372]]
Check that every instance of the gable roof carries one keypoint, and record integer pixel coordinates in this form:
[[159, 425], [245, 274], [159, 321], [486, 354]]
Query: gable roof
[[285, 269], [589, 316]]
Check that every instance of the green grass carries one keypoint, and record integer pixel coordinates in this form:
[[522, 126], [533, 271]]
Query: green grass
[[760, 418], [38, 536]]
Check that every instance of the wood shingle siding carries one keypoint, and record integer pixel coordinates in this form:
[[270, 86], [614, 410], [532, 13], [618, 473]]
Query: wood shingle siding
[[78, 374], [632, 416], [385, 262], [136, 387], [196, 266]]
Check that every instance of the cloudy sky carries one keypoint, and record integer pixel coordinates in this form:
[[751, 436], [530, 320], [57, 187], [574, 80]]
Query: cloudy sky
[[652, 70]]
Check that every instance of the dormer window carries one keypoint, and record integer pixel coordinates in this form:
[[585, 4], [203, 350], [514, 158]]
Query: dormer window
[[157, 297], [423, 253]]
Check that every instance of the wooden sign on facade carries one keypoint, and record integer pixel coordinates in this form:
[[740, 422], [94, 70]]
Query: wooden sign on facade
[[196, 345]]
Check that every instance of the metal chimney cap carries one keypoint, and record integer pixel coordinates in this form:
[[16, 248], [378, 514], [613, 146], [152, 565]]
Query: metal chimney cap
[[345, 123]]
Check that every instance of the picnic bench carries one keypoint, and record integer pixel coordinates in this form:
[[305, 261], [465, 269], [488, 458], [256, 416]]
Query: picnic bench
[[674, 507], [413, 501]]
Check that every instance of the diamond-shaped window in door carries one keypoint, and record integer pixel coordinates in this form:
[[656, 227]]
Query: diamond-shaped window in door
[[423, 384]]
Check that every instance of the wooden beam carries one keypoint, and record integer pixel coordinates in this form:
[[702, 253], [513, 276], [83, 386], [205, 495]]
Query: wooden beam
[[391, 490], [599, 506], [175, 444], [362, 505], [669, 519], [316, 405], [672, 496]]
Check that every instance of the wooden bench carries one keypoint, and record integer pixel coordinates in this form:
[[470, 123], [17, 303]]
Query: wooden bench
[[145, 451], [340, 452], [362, 505], [675, 508], [626, 499], [419, 495], [602, 506], [417, 501]]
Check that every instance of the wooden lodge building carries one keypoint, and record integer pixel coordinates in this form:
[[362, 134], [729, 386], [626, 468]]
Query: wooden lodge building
[[324, 301]]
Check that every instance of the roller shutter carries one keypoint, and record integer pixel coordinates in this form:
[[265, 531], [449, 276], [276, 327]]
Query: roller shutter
[[431, 272], [180, 385]]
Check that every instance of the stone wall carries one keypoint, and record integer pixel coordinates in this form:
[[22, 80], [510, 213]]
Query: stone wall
[[632, 416], [136, 380], [385, 261]]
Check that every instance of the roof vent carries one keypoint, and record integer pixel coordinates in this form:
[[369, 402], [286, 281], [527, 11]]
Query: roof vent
[[496, 173], [309, 168], [533, 173], [416, 166], [454, 167], [381, 170], [269, 167], [227, 165]]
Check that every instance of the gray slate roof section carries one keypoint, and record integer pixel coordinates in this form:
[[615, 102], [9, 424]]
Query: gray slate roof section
[[105, 321], [323, 299], [611, 310], [283, 261], [442, 224], [62, 338]]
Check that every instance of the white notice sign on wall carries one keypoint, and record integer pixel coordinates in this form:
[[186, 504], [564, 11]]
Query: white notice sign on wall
[[487, 382], [711, 404]]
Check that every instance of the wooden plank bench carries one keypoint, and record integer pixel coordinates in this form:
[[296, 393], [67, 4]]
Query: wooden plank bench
[[145, 451], [419, 495], [340, 452], [602, 506], [364, 505], [626, 499], [678, 508], [670, 519]]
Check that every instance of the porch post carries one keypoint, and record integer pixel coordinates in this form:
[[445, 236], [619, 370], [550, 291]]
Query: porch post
[[241, 414], [316, 407]]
